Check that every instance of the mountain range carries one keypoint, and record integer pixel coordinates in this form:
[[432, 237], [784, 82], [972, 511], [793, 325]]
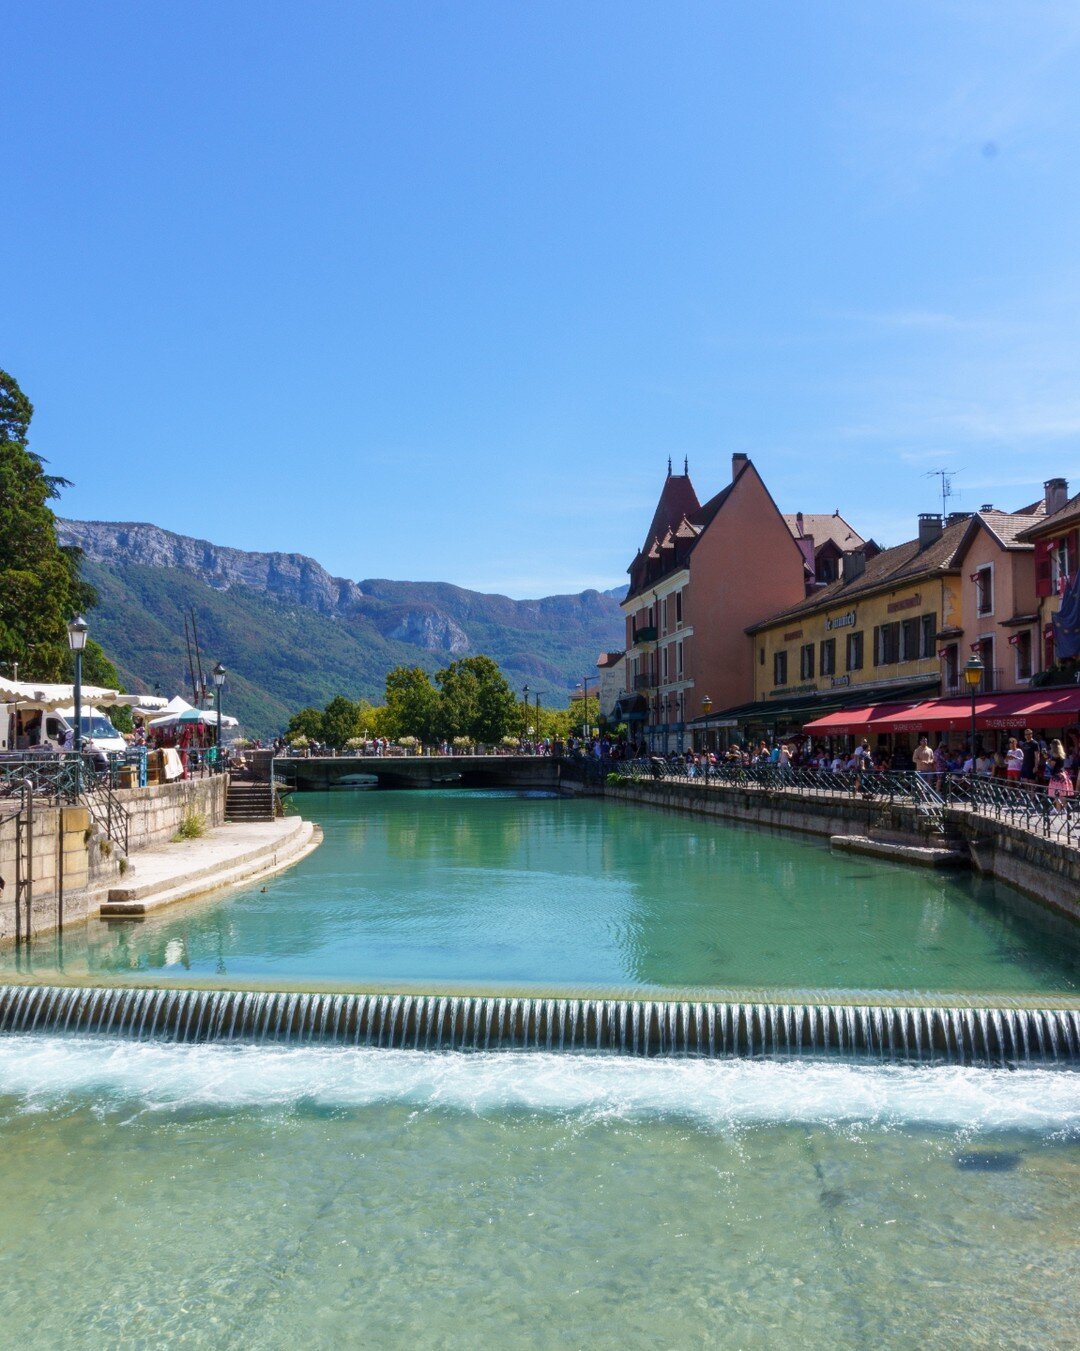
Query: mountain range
[[290, 634]]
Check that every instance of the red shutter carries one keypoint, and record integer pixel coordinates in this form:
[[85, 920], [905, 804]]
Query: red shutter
[[1071, 551], [1043, 584]]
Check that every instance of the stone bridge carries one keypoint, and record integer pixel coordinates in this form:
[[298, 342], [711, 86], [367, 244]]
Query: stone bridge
[[413, 771]]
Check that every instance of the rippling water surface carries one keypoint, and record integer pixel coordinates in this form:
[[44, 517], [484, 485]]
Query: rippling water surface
[[512, 893], [223, 1196]]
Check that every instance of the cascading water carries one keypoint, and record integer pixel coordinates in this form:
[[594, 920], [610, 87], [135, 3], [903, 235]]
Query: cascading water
[[988, 1036]]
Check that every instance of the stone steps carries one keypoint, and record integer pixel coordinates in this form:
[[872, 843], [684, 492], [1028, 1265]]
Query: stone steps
[[140, 897]]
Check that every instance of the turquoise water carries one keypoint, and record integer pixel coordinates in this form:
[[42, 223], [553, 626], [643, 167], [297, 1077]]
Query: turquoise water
[[255, 1197], [459, 890], [269, 1196]]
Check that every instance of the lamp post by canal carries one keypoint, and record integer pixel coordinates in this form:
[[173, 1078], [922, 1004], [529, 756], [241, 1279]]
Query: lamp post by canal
[[524, 712], [539, 734], [219, 680], [78, 630], [973, 674]]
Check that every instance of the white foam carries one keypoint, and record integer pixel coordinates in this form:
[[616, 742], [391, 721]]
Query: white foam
[[45, 1072]]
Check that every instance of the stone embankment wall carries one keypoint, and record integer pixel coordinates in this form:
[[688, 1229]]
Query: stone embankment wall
[[1043, 869], [74, 861]]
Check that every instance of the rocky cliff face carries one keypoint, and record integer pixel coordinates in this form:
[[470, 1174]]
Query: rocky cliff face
[[289, 577], [434, 617]]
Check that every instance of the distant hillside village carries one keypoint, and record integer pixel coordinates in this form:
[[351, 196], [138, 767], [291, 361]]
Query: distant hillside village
[[744, 622]]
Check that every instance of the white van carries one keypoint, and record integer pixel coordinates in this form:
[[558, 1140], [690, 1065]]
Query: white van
[[96, 727]]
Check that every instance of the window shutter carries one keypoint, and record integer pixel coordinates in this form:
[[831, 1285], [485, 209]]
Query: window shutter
[[1071, 551], [877, 645], [1043, 582]]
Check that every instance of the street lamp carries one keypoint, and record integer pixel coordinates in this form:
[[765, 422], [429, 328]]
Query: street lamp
[[973, 674], [525, 712], [78, 630], [218, 674]]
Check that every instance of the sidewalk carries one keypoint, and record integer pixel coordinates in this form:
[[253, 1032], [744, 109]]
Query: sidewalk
[[225, 856]]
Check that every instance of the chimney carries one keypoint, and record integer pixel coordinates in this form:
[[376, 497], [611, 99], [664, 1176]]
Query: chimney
[[1057, 494], [854, 564], [987, 506], [929, 528], [737, 463], [799, 524], [955, 516]]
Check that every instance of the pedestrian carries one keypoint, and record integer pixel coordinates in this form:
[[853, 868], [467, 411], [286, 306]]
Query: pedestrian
[[924, 757], [1060, 784], [1014, 761], [1031, 756]]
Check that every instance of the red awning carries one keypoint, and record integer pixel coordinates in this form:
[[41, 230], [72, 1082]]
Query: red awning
[[993, 712], [851, 721]]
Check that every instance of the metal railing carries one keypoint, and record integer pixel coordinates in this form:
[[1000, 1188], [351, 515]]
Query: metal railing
[[1028, 807]]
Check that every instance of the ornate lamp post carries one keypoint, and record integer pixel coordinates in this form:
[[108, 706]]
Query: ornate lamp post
[[524, 712], [78, 630], [973, 674], [219, 679]]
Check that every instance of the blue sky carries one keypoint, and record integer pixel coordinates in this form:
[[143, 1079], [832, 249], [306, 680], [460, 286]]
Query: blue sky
[[432, 291]]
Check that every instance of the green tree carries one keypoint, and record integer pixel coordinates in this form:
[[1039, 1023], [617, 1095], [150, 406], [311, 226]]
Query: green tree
[[307, 723], [412, 704], [40, 588], [340, 721], [477, 702]]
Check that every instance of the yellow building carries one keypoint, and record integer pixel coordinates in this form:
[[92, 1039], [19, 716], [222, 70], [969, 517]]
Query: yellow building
[[885, 632]]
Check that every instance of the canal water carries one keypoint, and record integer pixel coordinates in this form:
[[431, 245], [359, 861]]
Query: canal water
[[272, 1197], [280, 1194], [451, 890]]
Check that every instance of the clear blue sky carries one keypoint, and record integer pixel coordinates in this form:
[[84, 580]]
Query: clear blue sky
[[431, 291]]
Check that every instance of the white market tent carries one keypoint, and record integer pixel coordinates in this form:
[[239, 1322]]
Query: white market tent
[[179, 710], [48, 698]]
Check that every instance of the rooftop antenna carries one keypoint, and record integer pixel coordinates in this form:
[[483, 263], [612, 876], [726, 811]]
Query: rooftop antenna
[[946, 476]]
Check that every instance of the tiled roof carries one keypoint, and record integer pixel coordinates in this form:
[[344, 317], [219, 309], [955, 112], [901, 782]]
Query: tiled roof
[[903, 563], [1069, 514], [610, 658], [677, 499], [1006, 526], [825, 527]]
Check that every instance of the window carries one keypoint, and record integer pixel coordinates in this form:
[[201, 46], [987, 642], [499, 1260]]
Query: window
[[779, 668], [909, 640], [678, 609], [1022, 644], [664, 610], [665, 661], [828, 657], [928, 624], [806, 661], [678, 658], [887, 645], [761, 656], [984, 591], [854, 651]]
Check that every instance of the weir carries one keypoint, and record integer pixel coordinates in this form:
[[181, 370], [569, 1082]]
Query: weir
[[950, 1035]]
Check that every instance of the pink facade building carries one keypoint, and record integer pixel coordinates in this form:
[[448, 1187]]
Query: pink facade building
[[704, 573]]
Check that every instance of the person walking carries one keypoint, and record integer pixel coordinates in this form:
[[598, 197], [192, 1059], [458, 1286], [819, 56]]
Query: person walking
[[1029, 766], [924, 758]]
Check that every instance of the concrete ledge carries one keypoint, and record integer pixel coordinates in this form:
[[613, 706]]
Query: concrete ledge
[[183, 871], [925, 856]]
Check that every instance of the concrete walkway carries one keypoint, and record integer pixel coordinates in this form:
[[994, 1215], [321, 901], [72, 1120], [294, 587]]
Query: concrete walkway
[[225, 856]]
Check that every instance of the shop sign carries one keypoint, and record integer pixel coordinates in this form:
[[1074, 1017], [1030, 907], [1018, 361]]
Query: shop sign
[[790, 637], [908, 603], [839, 682], [845, 621]]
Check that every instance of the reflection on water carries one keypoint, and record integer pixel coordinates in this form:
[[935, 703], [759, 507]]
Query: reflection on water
[[497, 890]]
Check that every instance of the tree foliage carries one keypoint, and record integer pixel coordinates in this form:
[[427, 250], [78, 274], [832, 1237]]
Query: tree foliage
[[476, 702], [40, 589], [412, 703]]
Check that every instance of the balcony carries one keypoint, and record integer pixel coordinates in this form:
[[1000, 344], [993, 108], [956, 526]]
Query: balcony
[[644, 682], [993, 678], [645, 635]]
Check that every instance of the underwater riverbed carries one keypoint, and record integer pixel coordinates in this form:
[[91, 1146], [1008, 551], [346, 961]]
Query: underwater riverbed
[[270, 1197]]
